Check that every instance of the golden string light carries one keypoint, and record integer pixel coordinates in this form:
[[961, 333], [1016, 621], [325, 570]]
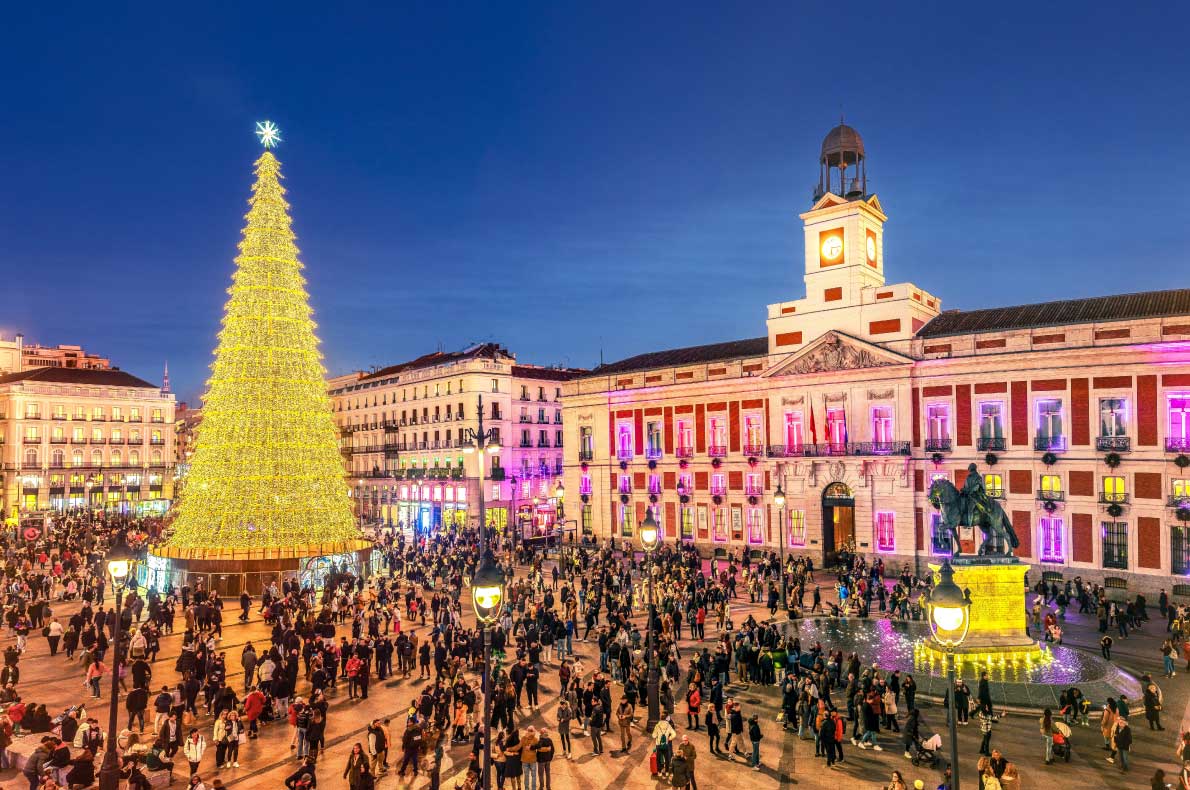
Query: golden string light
[[266, 470]]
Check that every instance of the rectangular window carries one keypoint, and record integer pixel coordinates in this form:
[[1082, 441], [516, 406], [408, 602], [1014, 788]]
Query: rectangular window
[[653, 439], [886, 533], [584, 484], [625, 522], [794, 436], [1115, 545], [719, 533], [685, 438], [495, 491], [940, 539], [1179, 550], [655, 485], [495, 385], [753, 435], [755, 525], [717, 429], [994, 485], [624, 449], [685, 484], [754, 484], [32, 411], [718, 484], [1113, 417], [625, 485], [1052, 541], [1050, 434], [836, 428], [882, 424], [1179, 422], [1180, 488], [1051, 487], [586, 519], [991, 425], [938, 423], [1113, 489], [687, 522], [586, 443], [737, 524], [797, 528]]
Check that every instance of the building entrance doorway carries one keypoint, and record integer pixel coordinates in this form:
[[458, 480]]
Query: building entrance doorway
[[838, 523]]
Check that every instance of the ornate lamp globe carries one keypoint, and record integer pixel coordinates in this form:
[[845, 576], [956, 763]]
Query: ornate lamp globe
[[949, 609], [779, 497], [648, 532], [118, 570], [559, 491], [493, 446], [487, 590]]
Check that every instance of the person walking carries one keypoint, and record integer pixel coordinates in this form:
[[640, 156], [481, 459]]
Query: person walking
[[1122, 743], [545, 758], [1167, 654], [712, 722], [357, 763], [597, 720], [663, 738], [1153, 703], [986, 719], [624, 714], [565, 716], [194, 747]]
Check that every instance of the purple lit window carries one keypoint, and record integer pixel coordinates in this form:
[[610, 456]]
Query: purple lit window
[[720, 530], [940, 540], [654, 484], [886, 533], [625, 484], [584, 484], [1179, 417], [755, 525], [1051, 539]]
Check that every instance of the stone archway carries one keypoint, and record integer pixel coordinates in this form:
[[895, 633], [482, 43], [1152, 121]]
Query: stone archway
[[838, 521]]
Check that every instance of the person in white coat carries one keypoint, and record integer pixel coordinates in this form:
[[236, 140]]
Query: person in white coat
[[193, 748]]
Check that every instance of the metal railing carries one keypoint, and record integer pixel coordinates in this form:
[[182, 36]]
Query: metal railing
[[586, 455], [717, 451], [1051, 496], [754, 449], [1113, 497], [1177, 444], [1049, 444], [938, 445], [1116, 444], [990, 443]]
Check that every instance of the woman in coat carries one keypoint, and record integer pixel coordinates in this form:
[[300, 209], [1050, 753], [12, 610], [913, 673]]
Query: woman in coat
[[193, 748], [1107, 722], [357, 763], [512, 759]]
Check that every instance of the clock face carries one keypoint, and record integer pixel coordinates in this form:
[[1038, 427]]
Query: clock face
[[832, 247], [871, 249]]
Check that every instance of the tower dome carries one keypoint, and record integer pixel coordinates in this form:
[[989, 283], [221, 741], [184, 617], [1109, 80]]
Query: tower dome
[[842, 150]]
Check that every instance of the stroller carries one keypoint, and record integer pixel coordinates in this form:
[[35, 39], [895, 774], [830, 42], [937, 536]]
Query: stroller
[[1061, 741], [925, 753]]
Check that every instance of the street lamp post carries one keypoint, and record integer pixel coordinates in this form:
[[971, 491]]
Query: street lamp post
[[683, 498], [648, 540], [950, 617], [779, 501], [487, 591], [477, 440], [109, 772]]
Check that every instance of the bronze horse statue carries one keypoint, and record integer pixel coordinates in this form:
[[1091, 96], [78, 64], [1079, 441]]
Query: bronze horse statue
[[973, 507]]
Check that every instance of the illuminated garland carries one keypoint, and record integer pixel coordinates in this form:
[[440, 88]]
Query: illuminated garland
[[266, 470]]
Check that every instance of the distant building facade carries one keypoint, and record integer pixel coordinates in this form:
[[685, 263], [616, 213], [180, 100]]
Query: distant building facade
[[403, 432], [16, 356], [1076, 415], [73, 437]]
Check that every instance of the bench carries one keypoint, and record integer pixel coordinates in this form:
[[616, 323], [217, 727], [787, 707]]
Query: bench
[[24, 745]]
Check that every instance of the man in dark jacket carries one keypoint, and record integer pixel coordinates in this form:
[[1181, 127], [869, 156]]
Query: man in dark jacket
[[545, 756], [136, 701]]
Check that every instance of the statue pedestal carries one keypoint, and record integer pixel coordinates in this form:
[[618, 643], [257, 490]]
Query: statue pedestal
[[998, 617]]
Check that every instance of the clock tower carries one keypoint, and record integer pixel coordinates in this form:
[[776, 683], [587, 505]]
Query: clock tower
[[844, 260]]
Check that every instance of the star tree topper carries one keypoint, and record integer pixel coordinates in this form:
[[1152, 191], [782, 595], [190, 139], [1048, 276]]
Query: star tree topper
[[268, 133]]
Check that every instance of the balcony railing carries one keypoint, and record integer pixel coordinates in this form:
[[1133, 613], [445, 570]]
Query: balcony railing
[[496, 474], [754, 490], [543, 442], [525, 418], [1178, 500], [32, 439], [1115, 444], [718, 490], [1113, 497], [653, 453], [824, 449], [717, 451], [525, 443], [880, 448], [1051, 496], [624, 455], [586, 455], [938, 445], [1049, 444], [990, 443], [684, 452], [995, 493], [98, 440], [157, 442], [754, 449], [1177, 444], [57, 440]]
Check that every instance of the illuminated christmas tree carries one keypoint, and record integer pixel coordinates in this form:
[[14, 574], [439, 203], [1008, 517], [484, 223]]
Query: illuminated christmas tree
[[266, 471]]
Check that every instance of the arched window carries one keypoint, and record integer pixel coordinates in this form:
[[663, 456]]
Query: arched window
[[31, 457], [156, 458], [76, 458], [134, 458], [58, 459], [117, 458], [96, 458]]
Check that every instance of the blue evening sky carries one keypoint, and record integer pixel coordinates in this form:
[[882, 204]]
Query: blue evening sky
[[566, 177]]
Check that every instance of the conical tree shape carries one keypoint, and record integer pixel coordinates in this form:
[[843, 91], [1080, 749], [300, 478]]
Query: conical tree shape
[[266, 470]]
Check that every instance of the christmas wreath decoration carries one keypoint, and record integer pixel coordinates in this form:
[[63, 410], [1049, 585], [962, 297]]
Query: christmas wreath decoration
[[718, 500], [716, 462], [623, 499], [623, 465], [652, 463], [1050, 506], [1049, 459], [1112, 460], [1114, 510], [990, 459], [1182, 461]]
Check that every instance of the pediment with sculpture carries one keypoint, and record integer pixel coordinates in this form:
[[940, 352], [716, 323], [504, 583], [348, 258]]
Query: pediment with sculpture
[[837, 351]]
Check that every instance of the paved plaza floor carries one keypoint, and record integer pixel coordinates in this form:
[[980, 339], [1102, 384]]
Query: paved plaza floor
[[787, 762]]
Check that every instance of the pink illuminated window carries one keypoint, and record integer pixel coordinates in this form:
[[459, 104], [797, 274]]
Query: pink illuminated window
[[625, 484], [794, 437], [755, 522], [753, 434], [1179, 417], [938, 422], [1051, 539], [719, 533], [624, 442], [685, 437], [404, 492], [425, 493], [836, 426], [437, 493], [886, 533], [655, 484], [685, 484], [526, 489], [584, 484], [797, 528], [882, 424], [718, 432], [718, 484], [461, 494]]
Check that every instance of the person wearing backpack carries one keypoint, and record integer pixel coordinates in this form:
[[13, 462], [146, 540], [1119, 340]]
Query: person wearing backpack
[[663, 738], [301, 723]]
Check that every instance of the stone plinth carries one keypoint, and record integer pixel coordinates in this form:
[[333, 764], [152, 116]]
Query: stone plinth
[[998, 617]]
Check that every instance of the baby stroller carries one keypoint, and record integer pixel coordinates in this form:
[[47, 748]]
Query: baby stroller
[[1061, 741], [925, 753]]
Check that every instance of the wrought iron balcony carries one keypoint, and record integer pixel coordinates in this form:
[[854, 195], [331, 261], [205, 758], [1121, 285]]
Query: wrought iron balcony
[[543, 442], [524, 418], [995, 493], [824, 449], [624, 455], [754, 449], [717, 451], [1115, 444], [1113, 497], [1177, 444], [718, 490], [879, 448], [754, 490], [938, 445], [684, 452], [496, 474], [1051, 496], [526, 443], [29, 439], [57, 440], [1178, 500], [653, 453], [1049, 444], [990, 443], [586, 455]]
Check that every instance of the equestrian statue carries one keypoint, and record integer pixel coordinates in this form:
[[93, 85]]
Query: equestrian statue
[[972, 507]]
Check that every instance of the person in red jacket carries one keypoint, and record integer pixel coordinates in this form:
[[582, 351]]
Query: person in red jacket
[[253, 707], [693, 702]]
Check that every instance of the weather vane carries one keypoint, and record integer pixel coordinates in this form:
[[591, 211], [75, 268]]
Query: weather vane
[[268, 133]]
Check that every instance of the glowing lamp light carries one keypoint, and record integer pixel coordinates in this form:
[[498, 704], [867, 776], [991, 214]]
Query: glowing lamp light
[[469, 448], [949, 610], [487, 590], [493, 445], [648, 532], [118, 570], [559, 491], [779, 497]]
